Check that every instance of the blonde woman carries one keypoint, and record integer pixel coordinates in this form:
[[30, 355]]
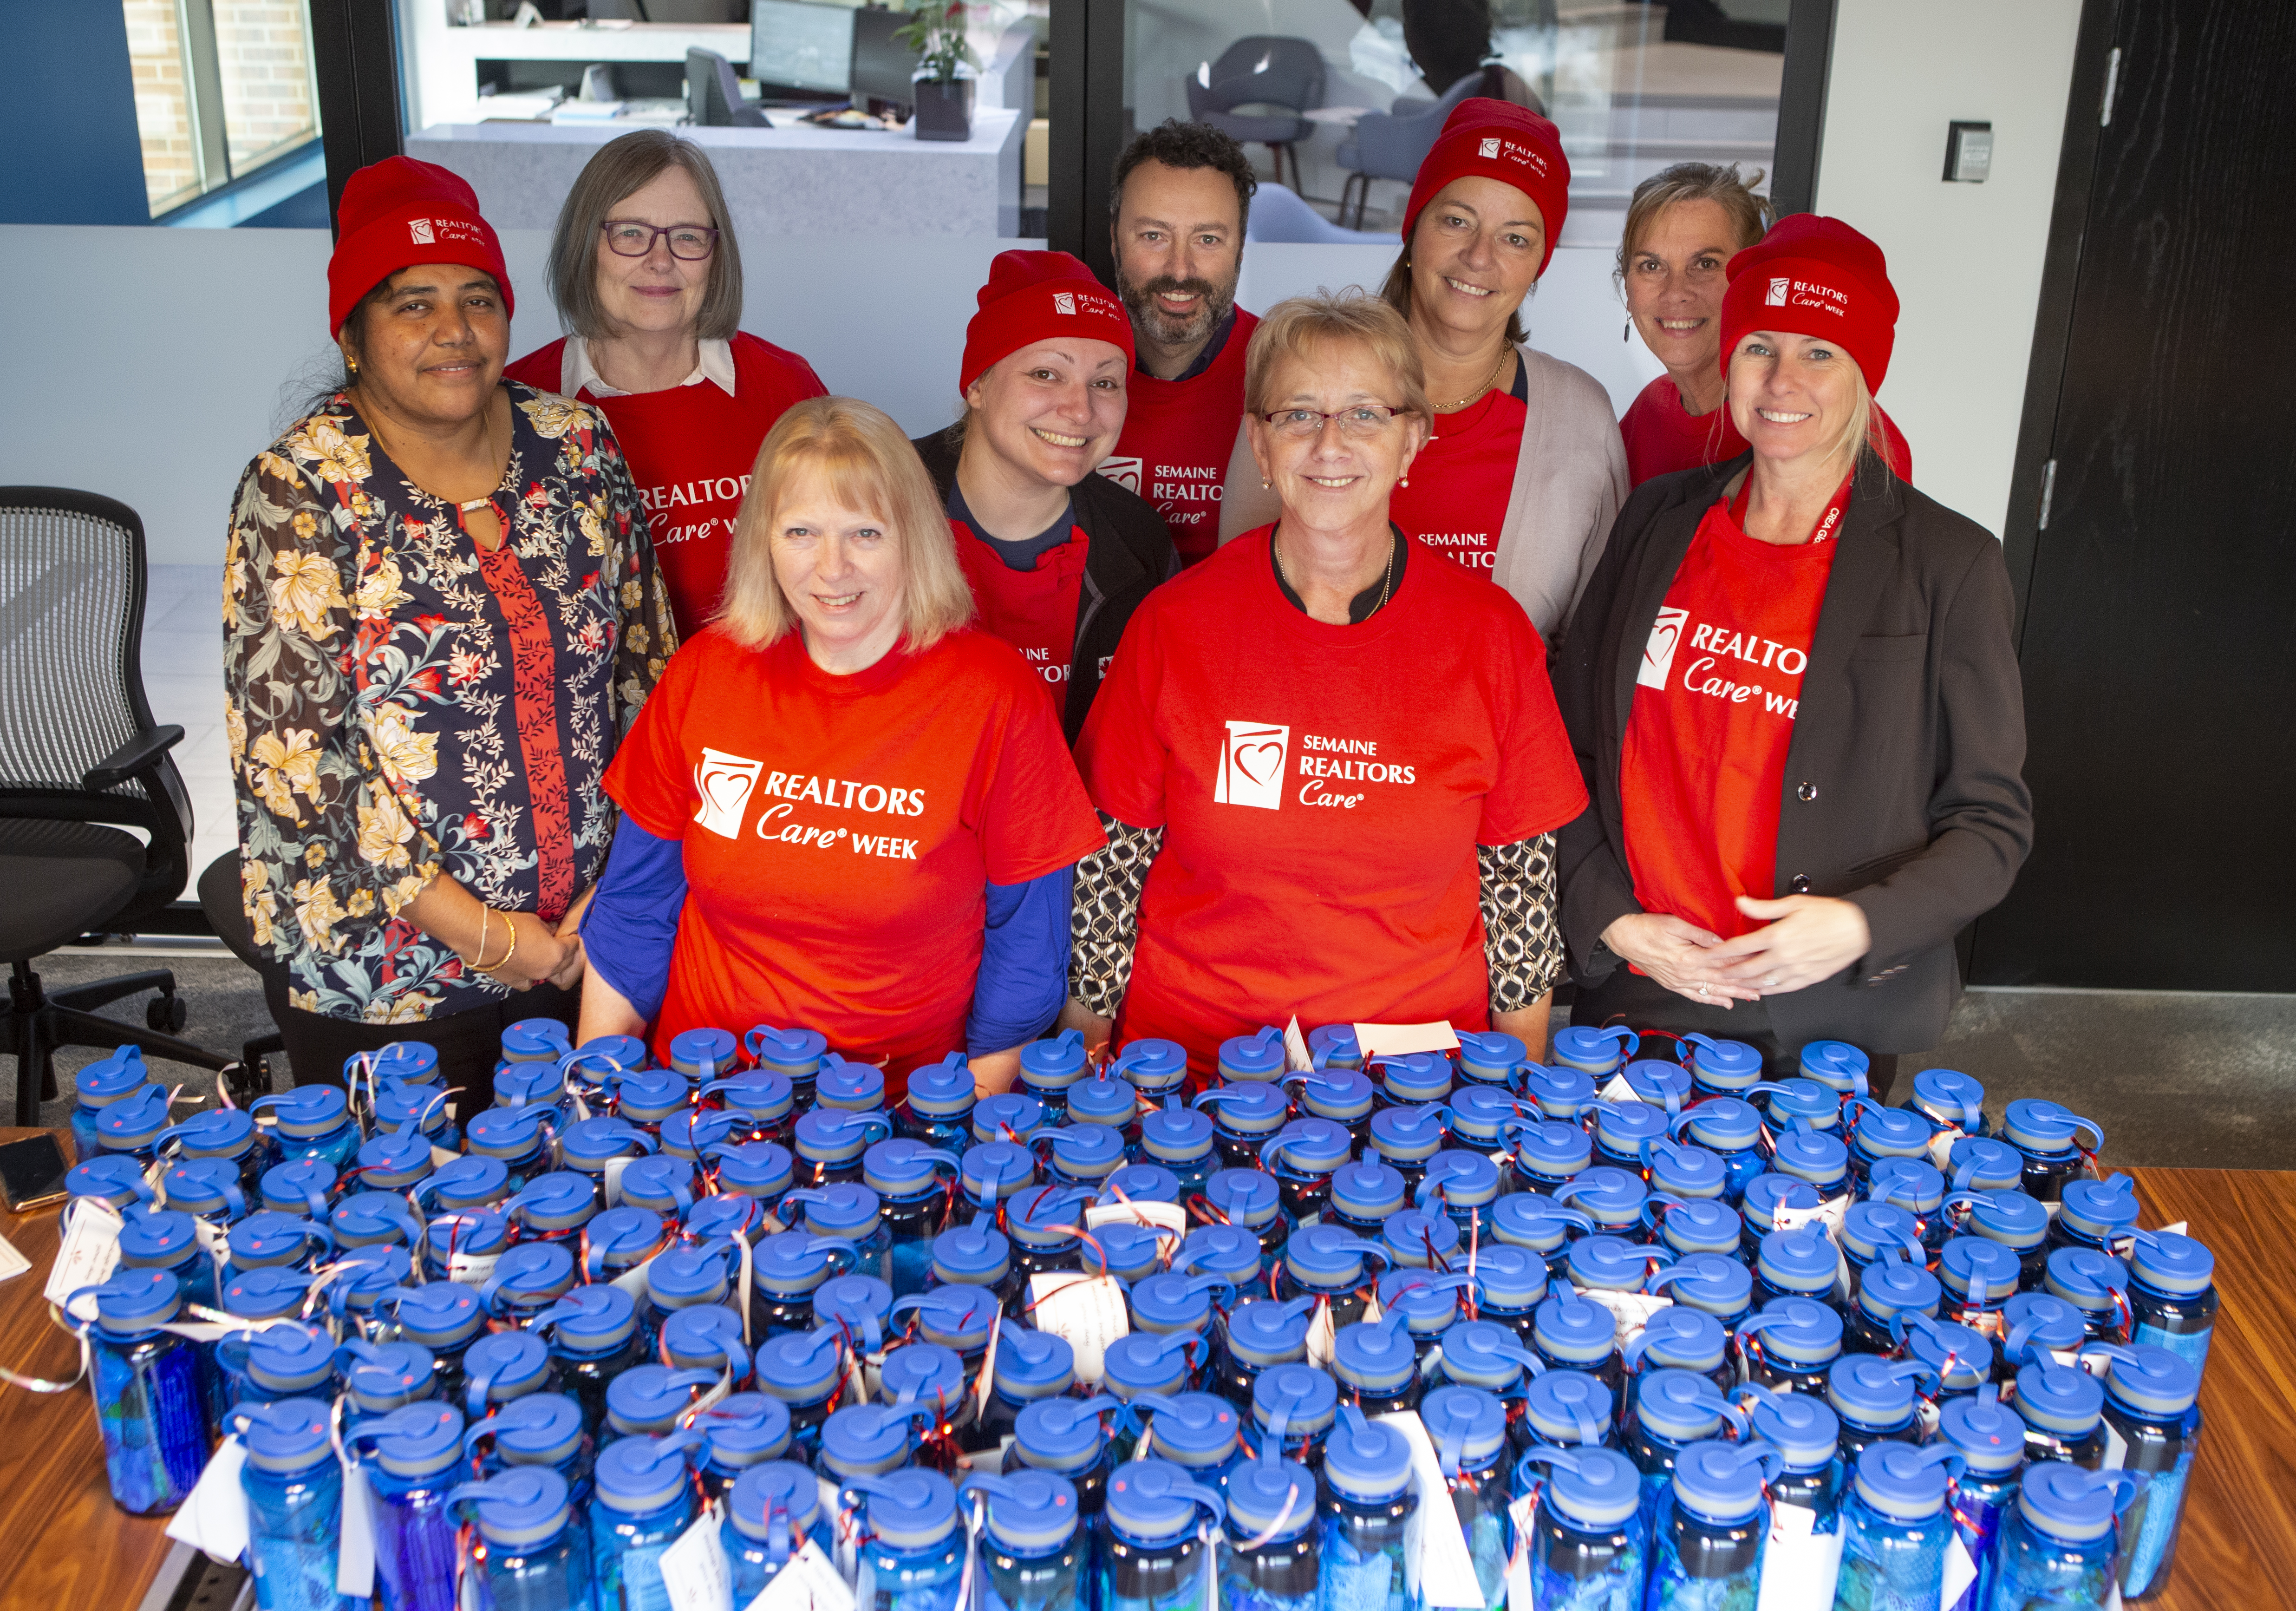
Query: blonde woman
[[848, 809]]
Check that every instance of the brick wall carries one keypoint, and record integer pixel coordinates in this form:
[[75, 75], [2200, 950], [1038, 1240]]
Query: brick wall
[[266, 78], [162, 112]]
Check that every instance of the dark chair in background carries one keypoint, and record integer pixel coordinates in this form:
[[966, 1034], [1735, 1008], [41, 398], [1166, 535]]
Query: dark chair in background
[[219, 899], [1280, 75], [1392, 144], [81, 763]]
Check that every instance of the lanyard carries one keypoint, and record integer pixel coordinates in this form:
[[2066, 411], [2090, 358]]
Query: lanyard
[[1828, 523]]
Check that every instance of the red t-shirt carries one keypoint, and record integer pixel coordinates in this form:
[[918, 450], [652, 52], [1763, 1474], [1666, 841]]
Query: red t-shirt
[[1034, 610], [1663, 437], [1704, 764], [690, 450], [839, 833], [1322, 790], [1177, 440], [1461, 481]]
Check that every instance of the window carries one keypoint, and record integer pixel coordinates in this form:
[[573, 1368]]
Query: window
[[223, 87]]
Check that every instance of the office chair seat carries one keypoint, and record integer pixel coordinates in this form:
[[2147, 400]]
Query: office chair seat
[[1272, 129], [218, 892], [63, 879]]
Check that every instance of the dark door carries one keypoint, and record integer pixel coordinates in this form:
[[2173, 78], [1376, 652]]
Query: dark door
[[2158, 637]]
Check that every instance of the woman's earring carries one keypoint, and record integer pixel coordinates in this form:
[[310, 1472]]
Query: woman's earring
[[352, 366], [1264, 483], [1404, 482], [1627, 334]]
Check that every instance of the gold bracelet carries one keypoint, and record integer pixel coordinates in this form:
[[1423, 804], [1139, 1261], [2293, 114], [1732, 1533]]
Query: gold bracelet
[[507, 955], [479, 954]]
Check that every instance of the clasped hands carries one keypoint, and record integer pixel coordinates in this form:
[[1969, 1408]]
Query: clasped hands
[[1804, 938]]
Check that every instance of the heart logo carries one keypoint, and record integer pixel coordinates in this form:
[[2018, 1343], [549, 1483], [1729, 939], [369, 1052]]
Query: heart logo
[[724, 782], [1260, 763]]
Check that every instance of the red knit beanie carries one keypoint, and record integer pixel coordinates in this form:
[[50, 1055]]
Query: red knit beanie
[[1817, 277], [1036, 296], [1497, 140], [397, 213]]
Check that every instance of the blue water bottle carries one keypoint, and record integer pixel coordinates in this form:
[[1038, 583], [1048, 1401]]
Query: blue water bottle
[[774, 1511], [2153, 1427], [1366, 1508], [416, 1455], [1895, 1529], [1469, 1429], [534, 1561], [151, 1403], [642, 1500], [914, 1182], [96, 1086], [1803, 1555], [2172, 1297], [1160, 1544], [912, 1557], [2058, 1546], [1707, 1539], [1269, 1563], [1991, 1440], [294, 1487], [1791, 1346], [1588, 1545], [2048, 1135], [1036, 1557]]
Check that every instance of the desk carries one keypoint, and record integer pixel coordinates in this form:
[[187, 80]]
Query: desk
[[65, 1547], [444, 86]]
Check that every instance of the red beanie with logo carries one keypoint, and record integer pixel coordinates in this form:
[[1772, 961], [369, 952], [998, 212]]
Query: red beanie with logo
[[1497, 140], [397, 213], [1817, 277], [1039, 296]]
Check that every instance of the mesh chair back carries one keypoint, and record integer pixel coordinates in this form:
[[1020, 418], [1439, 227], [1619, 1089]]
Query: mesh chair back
[[72, 618]]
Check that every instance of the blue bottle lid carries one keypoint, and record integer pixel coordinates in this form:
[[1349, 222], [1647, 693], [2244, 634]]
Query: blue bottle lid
[[1526, 1218], [778, 1491], [1889, 1133], [745, 1429], [837, 1135], [2033, 1124], [1251, 1109], [367, 1275], [1456, 1179], [1270, 1499], [291, 1358], [2037, 1321], [1329, 1258], [1486, 1354], [757, 1169], [1552, 1148], [684, 1275], [975, 1254], [649, 1398], [1657, 1082], [1030, 1364], [109, 1078], [1722, 1066], [134, 1120], [1508, 1279], [1681, 1406], [1375, 1356], [518, 1086], [1674, 1339], [1721, 1483], [270, 1292], [502, 1365], [531, 1273], [1309, 1146], [1031, 1512], [793, 1263], [1608, 1195], [1368, 1462], [305, 1113], [1594, 1051], [467, 1232], [1611, 1262], [269, 1238], [794, 1053], [1295, 1401], [508, 1133], [1249, 1197], [1812, 1155], [1366, 1189], [530, 1039], [1193, 1430], [1418, 1238], [1983, 1164], [1698, 1224], [538, 1429], [1042, 1218], [1978, 1273], [1083, 1150], [395, 1160], [943, 1090], [1258, 1055], [2099, 1209], [851, 1087], [2060, 1398], [839, 1210], [1414, 1077], [1102, 1099], [1152, 1362], [1568, 1405], [1141, 1183], [217, 1133], [1959, 1359], [861, 1305], [1868, 1229], [2151, 1382], [640, 1474], [861, 1439], [800, 1367], [1062, 1434], [1467, 1425], [1912, 1184], [1767, 1195], [590, 1144], [1872, 1392], [994, 1170], [1341, 1094], [1172, 1301], [1560, 1092], [955, 1317], [1007, 1116], [414, 1440], [1571, 1328], [1684, 1171], [2073, 1506], [649, 1095], [1836, 1064], [1904, 1483], [1174, 1134], [1950, 1097], [1489, 1057], [727, 1215], [1152, 1066], [1334, 1045], [161, 1238], [1725, 1123], [1263, 1332], [2169, 1261], [1817, 1105], [1596, 1490], [116, 1179], [437, 1314], [1152, 1503], [1479, 1113], [2010, 1217], [210, 1185], [290, 1434], [1891, 1286], [465, 1182], [706, 1334], [619, 1237], [381, 1377], [758, 1094], [1428, 1302], [1624, 1126], [133, 1301], [517, 1508], [1128, 1252], [1797, 1425], [1984, 1432], [561, 1200], [1230, 1252]]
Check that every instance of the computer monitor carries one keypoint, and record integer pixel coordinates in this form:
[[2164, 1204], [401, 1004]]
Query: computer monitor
[[883, 68], [797, 44]]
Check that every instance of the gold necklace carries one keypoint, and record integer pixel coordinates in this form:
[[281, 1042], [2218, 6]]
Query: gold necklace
[[1505, 352], [1387, 573]]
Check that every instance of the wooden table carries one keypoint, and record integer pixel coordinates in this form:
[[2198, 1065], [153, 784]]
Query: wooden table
[[65, 1547]]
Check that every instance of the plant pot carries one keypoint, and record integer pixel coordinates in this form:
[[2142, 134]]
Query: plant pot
[[944, 109]]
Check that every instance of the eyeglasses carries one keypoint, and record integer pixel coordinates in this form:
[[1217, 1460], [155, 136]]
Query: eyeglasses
[[1361, 421], [690, 242]]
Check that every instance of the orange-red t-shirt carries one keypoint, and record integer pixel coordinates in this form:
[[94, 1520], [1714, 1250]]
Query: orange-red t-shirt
[[1663, 437], [1704, 764], [1036, 610], [1460, 483], [1176, 440], [839, 832], [1321, 791]]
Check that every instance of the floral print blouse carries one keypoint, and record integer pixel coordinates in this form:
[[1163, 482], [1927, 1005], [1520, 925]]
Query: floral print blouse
[[401, 703]]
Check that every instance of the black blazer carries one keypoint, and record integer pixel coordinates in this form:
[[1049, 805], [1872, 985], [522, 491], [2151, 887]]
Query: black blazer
[[1903, 790], [1128, 550]]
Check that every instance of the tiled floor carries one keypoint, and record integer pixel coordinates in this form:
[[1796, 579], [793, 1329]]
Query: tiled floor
[[183, 677]]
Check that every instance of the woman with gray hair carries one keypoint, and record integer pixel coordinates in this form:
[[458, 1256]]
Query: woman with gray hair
[[647, 276]]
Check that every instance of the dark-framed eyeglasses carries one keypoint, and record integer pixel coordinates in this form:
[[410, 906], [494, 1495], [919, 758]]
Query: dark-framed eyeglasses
[[688, 242], [1358, 420]]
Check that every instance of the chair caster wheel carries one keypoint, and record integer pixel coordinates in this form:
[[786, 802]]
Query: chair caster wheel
[[167, 1015]]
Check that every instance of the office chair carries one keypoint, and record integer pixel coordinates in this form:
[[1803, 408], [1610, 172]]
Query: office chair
[[1283, 75], [1280, 215], [713, 95], [1392, 144], [81, 761], [219, 899]]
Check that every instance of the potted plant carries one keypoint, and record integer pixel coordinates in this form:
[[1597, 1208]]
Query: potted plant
[[943, 82]]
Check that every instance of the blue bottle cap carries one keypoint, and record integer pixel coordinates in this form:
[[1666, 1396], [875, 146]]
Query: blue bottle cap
[[290, 1434], [1679, 1405], [1894, 1285], [943, 1090], [394, 1161], [1102, 1099], [640, 1474], [2035, 1320], [1366, 1189], [1611, 1262], [1486, 1354], [1596, 1490], [840, 1209], [1128, 1252], [1817, 1105], [271, 1292], [590, 1144], [291, 1358], [1525, 1219], [1085, 1151], [1152, 1066], [1329, 1258], [210, 1185], [1812, 1155], [269, 1238], [2032, 1124], [1906, 1483], [1684, 1171], [1911, 1184], [437, 1314], [1797, 1425], [2060, 1398], [1152, 1503], [134, 1120], [684, 1275], [2169, 1261], [160, 1238], [649, 1398], [217, 1133], [561, 1200], [1141, 1183], [1889, 1133], [367, 1275], [529, 1275], [109, 1078], [955, 1317], [1594, 1051], [1950, 1097], [519, 1509], [1725, 1123], [1264, 1332], [1414, 1077], [2098, 1209], [1368, 1462], [2073, 1506], [1459, 1179], [621, 1238], [1174, 1302], [1721, 1483], [1044, 1218], [1175, 1135], [778, 1491], [1062, 1434], [1982, 1163], [538, 1429], [1979, 1274], [1295, 1401], [1273, 1500], [1375, 1356], [1418, 1238], [1676, 1339], [1249, 1197], [852, 1087], [529, 1039], [1552, 1148], [837, 1135], [861, 1305], [862, 1439], [1608, 1195], [705, 1335], [1767, 1196], [1872, 1392], [927, 1374], [1698, 1224], [468, 1231], [508, 1133], [758, 1094], [133, 1300], [1868, 1229], [1560, 1092], [1193, 1430], [1722, 1066], [1567, 1406], [501, 1365], [727, 1215], [1152, 1362], [1489, 1057], [465, 1182], [1333, 1045], [1959, 1360], [794, 1053], [1836, 1064], [523, 1085], [800, 1367], [416, 1441], [1479, 1113], [1342, 1094], [743, 1429], [1007, 1116], [1623, 1127], [691, 1132], [994, 1170], [305, 1113], [1031, 1364], [2151, 1382], [1030, 1512], [975, 1254], [1258, 1055], [1230, 1252], [1657, 1082], [116, 1179], [381, 1377], [1467, 1424], [757, 1169], [1055, 1064], [1508, 1280], [1251, 1109], [619, 1051], [1428, 1302], [2010, 1217], [1984, 1432], [1308, 1146]]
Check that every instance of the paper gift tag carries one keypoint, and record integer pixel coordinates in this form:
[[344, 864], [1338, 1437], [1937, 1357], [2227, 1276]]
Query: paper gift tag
[[1618, 1090], [355, 1545], [613, 1180], [90, 1252], [1799, 1564], [634, 1280], [1171, 1216], [1088, 1313], [1960, 1571], [1297, 1059], [1320, 1334], [1436, 1565], [472, 1268], [1631, 1310], [693, 1569], [1826, 1216], [1518, 1575], [808, 1583], [1394, 1040], [13, 1263], [844, 1532], [440, 1157], [214, 1519]]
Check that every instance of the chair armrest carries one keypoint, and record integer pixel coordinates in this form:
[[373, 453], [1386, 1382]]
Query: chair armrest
[[138, 754]]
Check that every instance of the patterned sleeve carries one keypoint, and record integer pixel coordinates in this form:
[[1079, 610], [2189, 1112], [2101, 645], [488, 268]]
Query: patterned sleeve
[[649, 633], [327, 834], [1521, 944], [1105, 914]]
